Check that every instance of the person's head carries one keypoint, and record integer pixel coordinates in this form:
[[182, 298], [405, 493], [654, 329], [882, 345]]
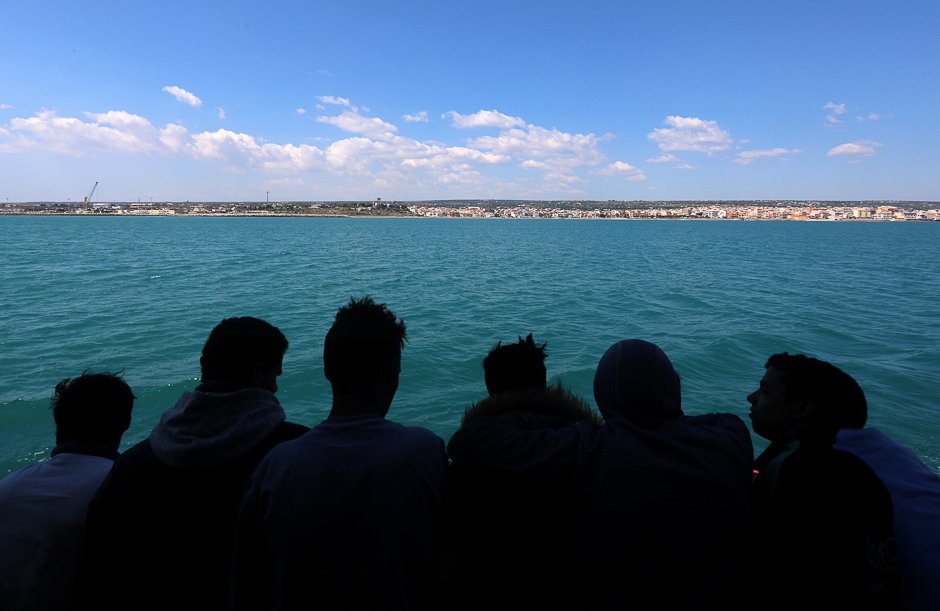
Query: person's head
[[245, 350], [803, 394], [635, 377], [362, 352], [92, 407], [519, 366]]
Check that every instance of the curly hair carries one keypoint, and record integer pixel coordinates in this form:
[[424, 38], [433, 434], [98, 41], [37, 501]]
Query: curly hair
[[838, 399]]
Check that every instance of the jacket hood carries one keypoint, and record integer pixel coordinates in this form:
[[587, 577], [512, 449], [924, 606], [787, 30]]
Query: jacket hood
[[636, 377], [550, 401], [207, 429]]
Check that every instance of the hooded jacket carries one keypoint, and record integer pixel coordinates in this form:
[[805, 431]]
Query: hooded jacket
[[822, 528], [160, 529], [915, 496], [659, 505]]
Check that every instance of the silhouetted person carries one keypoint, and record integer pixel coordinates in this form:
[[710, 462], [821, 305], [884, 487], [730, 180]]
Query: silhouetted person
[[160, 528], [915, 496], [517, 366], [347, 516], [822, 517], [503, 524], [658, 508], [43, 506]]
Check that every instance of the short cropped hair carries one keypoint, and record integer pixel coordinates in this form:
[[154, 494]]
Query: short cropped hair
[[517, 366], [363, 337], [236, 345], [838, 400], [92, 407]]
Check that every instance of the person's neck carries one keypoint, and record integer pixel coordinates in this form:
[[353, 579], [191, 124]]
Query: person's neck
[[816, 437], [345, 405]]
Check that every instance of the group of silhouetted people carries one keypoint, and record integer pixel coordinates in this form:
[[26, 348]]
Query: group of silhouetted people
[[537, 501]]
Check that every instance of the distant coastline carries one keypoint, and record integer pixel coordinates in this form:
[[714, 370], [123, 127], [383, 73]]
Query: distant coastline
[[697, 210]]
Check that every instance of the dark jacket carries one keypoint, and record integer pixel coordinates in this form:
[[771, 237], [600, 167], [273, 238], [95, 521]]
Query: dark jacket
[[160, 536], [503, 525], [657, 512], [822, 530]]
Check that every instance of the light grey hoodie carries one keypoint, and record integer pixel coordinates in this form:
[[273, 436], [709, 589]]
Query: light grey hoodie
[[207, 429]]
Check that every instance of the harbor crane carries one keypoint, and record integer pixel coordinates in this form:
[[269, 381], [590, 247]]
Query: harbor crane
[[90, 194]]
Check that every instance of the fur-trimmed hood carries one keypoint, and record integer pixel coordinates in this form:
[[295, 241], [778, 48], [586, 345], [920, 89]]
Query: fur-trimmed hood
[[550, 401]]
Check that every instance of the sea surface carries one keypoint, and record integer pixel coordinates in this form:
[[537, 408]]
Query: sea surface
[[142, 294]]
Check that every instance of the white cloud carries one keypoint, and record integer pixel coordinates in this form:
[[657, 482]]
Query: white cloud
[[832, 119], [328, 99], [243, 150], [120, 119], [746, 157], [484, 118], [874, 117], [531, 164], [122, 132], [558, 148], [654, 188], [221, 112], [352, 121], [621, 168], [663, 158], [686, 166], [859, 148], [5, 106], [837, 109], [301, 111], [117, 131], [691, 134], [554, 177], [419, 117], [433, 157], [320, 107], [175, 139], [182, 95], [373, 153]]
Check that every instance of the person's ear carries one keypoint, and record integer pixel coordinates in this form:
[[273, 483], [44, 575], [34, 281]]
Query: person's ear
[[259, 376], [386, 372], [804, 409]]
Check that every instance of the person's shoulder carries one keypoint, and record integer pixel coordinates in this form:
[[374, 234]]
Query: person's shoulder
[[421, 436], [838, 472], [18, 478], [850, 465], [287, 431], [715, 420], [415, 441], [133, 459], [720, 429]]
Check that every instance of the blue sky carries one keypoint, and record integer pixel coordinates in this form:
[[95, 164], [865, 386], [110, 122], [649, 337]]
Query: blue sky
[[225, 101]]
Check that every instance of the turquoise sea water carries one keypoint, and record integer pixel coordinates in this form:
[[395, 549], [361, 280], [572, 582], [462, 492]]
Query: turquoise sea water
[[142, 294]]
